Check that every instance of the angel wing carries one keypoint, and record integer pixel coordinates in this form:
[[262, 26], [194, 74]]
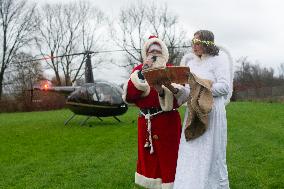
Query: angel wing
[[231, 69]]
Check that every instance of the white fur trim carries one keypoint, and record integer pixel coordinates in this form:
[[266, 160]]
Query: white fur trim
[[165, 51], [141, 85], [168, 185], [148, 182], [167, 101], [124, 94]]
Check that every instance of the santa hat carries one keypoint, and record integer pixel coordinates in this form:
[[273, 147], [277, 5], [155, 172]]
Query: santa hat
[[158, 44]]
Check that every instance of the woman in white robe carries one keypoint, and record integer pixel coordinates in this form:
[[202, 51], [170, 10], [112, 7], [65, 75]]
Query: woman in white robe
[[202, 161]]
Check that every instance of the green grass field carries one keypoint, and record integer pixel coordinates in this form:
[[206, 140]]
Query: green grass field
[[38, 151]]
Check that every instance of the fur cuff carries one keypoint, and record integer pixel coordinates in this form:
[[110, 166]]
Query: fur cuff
[[125, 86], [141, 85], [167, 101], [168, 185], [148, 182]]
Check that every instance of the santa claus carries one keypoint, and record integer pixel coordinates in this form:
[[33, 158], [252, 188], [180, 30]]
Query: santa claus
[[159, 123]]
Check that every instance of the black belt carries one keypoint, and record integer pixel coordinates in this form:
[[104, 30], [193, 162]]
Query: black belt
[[150, 110]]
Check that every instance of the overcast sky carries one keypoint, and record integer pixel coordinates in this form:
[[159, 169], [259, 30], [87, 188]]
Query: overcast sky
[[253, 28]]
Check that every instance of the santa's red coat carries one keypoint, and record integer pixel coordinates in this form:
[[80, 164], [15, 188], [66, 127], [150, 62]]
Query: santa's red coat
[[157, 168]]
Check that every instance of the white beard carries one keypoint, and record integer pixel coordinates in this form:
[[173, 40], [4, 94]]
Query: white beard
[[160, 61]]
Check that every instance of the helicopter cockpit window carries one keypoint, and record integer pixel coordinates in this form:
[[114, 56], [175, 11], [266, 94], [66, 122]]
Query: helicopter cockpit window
[[92, 92], [105, 93]]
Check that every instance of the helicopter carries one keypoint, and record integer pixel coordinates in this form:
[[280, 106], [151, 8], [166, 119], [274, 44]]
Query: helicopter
[[95, 98]]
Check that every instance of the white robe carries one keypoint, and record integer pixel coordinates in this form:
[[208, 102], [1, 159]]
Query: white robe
[[202, 161]]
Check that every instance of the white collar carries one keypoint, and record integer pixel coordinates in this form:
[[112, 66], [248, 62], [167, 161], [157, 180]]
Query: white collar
[[203, 57]]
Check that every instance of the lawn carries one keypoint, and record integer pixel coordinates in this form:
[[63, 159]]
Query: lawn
[[38, 151]]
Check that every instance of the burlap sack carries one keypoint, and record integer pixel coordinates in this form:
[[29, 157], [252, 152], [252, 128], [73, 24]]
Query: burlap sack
[[200, 104]]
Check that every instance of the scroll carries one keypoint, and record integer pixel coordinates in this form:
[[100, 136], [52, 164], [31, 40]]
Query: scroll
[[175, 74]]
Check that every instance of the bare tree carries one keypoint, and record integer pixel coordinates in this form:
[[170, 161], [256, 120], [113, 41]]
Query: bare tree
[[19, 81], [249, 75], [164, 25], [17, 27], [139, 20], [281, 71], [65, 29], [130, 32], [89, 34], [50, 35], [25, 75]]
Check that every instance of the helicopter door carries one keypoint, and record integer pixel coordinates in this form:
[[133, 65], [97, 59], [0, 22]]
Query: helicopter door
[[105, 93]]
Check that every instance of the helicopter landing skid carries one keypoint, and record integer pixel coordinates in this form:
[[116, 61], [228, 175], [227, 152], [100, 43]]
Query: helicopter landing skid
[[116, 118], [69, 119], [85, 120], [99, 118]]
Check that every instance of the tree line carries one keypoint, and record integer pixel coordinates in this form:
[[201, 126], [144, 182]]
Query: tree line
[[50, 30], [252, 76], [31, 31]]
